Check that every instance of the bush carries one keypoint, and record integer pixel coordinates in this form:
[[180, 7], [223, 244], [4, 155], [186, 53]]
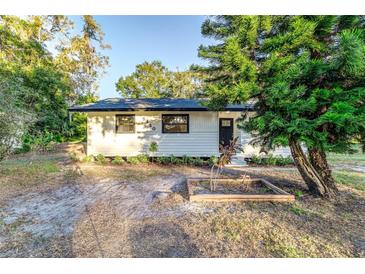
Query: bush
[[185, 160], [198, 161], [132, 160], [139, 159], [100, 158], [272, 160], [118, 160], [153, 148], [42, 142], [143, 158], [174, 160], [88, 159], [188, 160], [163, 160], [212, 160]]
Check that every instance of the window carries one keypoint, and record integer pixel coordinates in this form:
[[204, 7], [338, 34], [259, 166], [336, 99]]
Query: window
[[175, 123], [125, 123], [226, 123]]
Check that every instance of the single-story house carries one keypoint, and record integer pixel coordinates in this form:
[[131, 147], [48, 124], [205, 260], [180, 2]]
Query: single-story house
[[127, 127]]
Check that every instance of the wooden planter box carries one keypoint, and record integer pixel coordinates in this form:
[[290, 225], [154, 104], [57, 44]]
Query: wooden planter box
[[279, 195]]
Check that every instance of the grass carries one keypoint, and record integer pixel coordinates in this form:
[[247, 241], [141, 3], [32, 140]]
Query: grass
[[265, 231], [134, 173], [350, 178], [310, 227], [17, 174], [28, 167], [357, 158]]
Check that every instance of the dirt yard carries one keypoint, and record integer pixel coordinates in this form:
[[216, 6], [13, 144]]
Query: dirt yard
[[53, 207]]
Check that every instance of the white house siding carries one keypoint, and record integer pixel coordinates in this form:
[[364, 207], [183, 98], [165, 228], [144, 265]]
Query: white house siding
[[245, 138], [202, 139]]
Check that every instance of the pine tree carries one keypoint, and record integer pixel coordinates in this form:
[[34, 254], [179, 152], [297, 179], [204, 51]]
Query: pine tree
[[306, 75]]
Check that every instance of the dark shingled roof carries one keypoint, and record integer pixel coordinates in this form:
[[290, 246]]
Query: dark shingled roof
[[151, 104]]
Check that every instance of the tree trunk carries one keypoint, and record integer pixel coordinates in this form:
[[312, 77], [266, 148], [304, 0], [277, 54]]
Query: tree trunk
[[318, 160], [316, 184]]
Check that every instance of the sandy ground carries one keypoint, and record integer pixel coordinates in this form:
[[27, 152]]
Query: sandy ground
[[89, 210], [54, 212]]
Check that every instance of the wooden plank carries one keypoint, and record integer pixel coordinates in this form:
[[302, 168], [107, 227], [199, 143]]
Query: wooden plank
[[282, 195], [243, 197], [273, 187]]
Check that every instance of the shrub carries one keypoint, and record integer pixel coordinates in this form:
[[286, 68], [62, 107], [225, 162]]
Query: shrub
[[198, 161], [272, 160], [187, 160], [42, 142], [100, 158], [88, 159], [143, 158], [212, 160], [153, 147], [118, 160], [133, 160], [163, 160], [174, 160]]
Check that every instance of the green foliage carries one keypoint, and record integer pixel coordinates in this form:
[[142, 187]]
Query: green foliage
[[153, 147], [154, 80], [352, 179], [44, 141], [213, 160], [198, 161], [88, 159], [118, 160], [139, 159], [77, 126], [100, 159], [173, 160], [298, 193], [42, 85], [28, 168], [271, 160], [298, 210], [305, 73], [14, 121], [143, 158], [164, 160], [185, 160], [188, 160]]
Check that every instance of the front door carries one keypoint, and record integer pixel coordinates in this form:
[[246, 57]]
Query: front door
[[225, 131]]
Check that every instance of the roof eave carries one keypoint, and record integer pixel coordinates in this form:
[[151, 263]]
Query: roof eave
[[154, 109]]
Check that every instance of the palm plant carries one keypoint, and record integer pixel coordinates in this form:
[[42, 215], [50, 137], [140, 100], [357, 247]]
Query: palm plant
[[224, 159]]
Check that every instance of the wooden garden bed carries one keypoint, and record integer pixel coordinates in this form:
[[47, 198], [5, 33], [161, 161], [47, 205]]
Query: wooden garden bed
[[236, 190]]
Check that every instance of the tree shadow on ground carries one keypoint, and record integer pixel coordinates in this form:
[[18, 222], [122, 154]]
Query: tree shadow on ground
[[161, 239]]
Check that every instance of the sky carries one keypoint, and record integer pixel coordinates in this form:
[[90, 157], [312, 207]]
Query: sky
[[174, 40]]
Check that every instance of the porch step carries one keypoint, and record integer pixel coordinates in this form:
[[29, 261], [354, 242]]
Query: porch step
[[237, 161]]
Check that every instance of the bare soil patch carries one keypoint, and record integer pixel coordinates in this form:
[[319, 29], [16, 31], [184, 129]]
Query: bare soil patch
[[89, 210], [230, 187]]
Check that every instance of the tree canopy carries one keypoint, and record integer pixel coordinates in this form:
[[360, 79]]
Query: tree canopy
[[306, 75], [154, 80], [41, 83]]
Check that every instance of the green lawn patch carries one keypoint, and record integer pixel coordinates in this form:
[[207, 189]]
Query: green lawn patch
[[357, 158], [24, 172], [350, 178]]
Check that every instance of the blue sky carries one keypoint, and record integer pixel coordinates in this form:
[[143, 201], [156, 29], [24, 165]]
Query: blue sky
[[173, 40]]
